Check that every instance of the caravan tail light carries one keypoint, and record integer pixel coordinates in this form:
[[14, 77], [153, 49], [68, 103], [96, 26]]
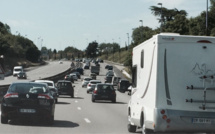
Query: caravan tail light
[[168, 120], [164, 117], [162, 111]]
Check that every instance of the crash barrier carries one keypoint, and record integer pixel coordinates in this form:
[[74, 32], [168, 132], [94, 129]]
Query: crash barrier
[[55, 78]]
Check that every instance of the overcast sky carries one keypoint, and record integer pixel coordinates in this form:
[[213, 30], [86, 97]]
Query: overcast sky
[[57, 24]]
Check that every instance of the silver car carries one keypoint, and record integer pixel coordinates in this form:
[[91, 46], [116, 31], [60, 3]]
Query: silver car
[[75, 77], [85, 81], [93, 82]]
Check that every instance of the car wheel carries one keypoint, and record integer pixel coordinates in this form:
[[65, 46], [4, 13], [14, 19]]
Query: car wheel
[[72, 96], [88, 92], [4, 120], [114, 100], [51, 120], [131, 128], [93, 100], [56, 100]]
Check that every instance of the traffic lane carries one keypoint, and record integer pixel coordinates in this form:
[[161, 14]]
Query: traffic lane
[[104, 116], [51, 69]]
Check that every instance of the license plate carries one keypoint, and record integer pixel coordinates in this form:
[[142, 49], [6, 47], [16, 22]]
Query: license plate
[[104, 97], [27, 110], [202, 120]]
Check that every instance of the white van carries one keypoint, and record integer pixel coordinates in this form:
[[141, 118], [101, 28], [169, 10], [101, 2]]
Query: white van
[[173, 84], [17, 69]]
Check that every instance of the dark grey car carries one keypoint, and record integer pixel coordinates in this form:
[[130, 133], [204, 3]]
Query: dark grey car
[[104, 92]]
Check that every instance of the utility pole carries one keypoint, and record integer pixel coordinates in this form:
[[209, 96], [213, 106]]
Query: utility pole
[[161, 18]]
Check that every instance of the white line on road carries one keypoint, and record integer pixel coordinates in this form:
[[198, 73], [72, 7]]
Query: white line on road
[[76, 101], [87, 120], [79, 108]]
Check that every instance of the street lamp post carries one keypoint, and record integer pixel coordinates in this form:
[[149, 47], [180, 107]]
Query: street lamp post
[[206, 17], [142, 27], [161, 17], [141, 22], [128, 40]]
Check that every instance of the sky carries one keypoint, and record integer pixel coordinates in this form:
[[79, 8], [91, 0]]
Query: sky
[[57, 24]]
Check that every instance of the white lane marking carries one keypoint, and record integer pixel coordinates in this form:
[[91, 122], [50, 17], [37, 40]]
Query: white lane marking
[[87, 120], [76, 101], [79, 108]]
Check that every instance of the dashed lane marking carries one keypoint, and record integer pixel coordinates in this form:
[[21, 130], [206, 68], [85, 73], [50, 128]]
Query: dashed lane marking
[[87, 120], [79, 108], [76, 101]]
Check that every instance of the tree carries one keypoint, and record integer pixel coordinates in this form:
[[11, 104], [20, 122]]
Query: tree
[[92, 49], [33, 54]]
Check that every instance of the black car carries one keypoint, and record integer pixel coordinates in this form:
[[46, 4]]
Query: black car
[[86, 66], [104, 92], [78, 74], [28, 100], [123, 85], [65, 88], [107, 66], [110, 68], [69, 78], [80, 70], [21, 75]]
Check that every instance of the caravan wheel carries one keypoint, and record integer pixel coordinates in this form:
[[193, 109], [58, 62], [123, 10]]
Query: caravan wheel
[[131, 128]]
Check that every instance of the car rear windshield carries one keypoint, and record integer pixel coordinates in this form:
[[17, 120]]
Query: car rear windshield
[[125, 82], [87, 79], [64, 84], [28, 88], [95, 82], [17, 70], [105, 87]]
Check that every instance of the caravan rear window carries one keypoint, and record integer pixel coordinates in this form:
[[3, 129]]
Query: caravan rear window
[[142, 59], [134, 76]]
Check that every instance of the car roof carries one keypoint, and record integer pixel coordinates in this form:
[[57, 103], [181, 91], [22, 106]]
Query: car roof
[[105, 84], [64, 81], [26, 82], [47, 81], [95, 81]]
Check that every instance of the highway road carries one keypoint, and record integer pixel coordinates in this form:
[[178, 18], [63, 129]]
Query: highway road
[[34, 73], [79, 115]]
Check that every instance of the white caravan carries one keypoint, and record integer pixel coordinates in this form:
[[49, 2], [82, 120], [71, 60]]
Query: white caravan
[[173, 84]]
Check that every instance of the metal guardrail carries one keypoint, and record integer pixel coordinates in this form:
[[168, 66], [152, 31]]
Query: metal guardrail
[[55, 78]]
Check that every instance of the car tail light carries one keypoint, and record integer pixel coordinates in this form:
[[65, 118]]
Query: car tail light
[[89, 85], [43, 96], [11, 95], [95, 91]]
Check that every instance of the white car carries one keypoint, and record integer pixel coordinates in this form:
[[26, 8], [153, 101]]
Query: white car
[[75, 77], [51, 86], [17, 69], [93, 82], [85, 81]]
